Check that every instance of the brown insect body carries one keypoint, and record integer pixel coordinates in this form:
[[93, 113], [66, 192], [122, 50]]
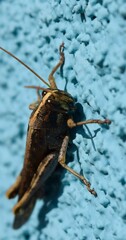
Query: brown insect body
[[46, 131], [46, 145]]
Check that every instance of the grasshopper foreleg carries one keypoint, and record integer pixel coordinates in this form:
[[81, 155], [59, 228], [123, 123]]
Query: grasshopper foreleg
[[35, 104], [59, 64]]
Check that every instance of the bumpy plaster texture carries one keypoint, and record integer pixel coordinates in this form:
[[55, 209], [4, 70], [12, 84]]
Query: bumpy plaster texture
[[94, 33]]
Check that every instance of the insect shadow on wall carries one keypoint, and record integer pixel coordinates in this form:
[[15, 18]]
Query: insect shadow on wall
[[48, 136]]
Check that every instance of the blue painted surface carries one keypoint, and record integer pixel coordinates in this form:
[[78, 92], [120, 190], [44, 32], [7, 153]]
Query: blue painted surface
[[94, 33]]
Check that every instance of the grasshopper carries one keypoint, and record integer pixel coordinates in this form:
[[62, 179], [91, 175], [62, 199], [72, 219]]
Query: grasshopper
[[48, 136]]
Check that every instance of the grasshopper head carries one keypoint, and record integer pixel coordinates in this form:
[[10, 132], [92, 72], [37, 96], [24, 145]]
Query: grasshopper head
[[58, 100]]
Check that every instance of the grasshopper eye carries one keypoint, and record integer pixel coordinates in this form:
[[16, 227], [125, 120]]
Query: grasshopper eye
[[44, 93]]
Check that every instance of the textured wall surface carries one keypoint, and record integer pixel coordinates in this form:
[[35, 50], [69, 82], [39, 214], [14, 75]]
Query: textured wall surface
[[94, 33]]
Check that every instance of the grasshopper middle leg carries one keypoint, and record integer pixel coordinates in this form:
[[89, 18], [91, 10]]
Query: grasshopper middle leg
[[61, 160], [72, 124]]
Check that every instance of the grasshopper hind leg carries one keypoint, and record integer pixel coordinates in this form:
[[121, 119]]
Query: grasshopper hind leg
[[25, 205], [22, 218], [61, 160], [14, 189]]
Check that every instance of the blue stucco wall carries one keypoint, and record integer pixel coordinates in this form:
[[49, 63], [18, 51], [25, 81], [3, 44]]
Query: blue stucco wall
[[94, 34]]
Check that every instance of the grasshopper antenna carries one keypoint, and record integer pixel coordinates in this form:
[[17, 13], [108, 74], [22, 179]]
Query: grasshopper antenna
[[39, 88], [30, 69]]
